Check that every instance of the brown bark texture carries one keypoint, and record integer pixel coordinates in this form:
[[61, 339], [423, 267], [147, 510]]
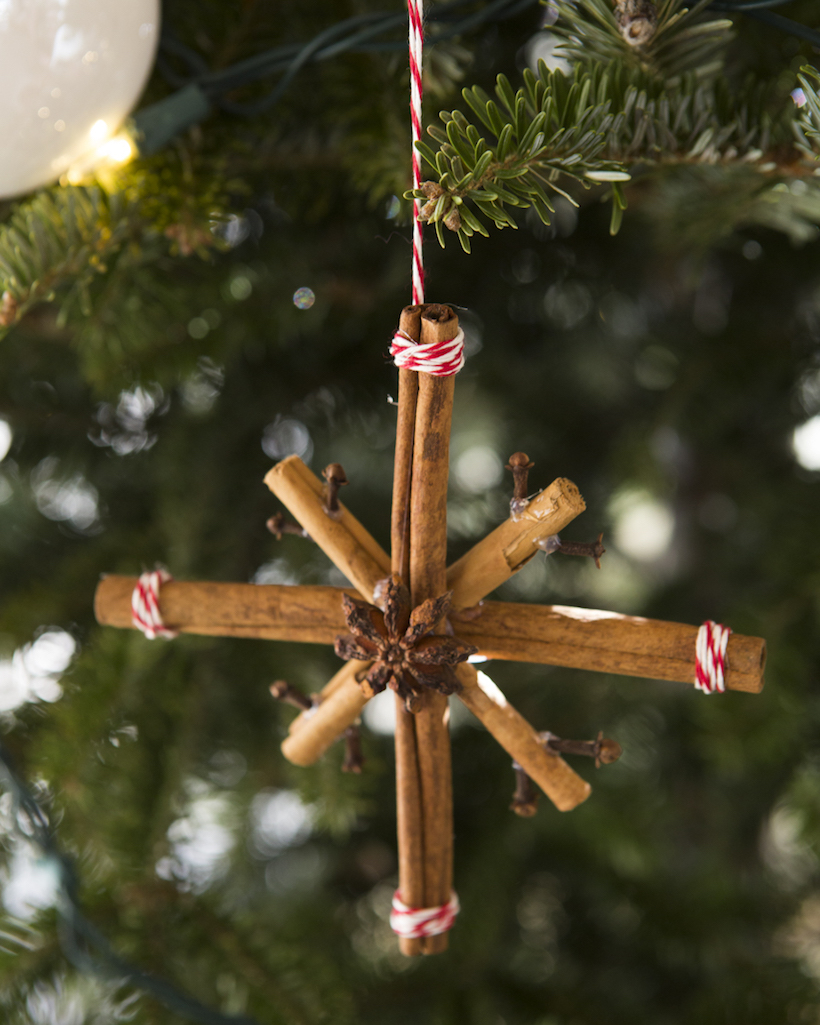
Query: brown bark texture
[[560, 783], [428, 579], [606, 642], [341, 704], [409, 816], [344, 540], [561, 635], [512, 544]]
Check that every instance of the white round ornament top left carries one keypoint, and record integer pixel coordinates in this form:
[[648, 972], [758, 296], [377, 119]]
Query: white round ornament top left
[[71, 71]]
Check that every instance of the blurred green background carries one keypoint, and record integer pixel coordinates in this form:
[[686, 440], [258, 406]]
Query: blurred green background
[[672, 372]]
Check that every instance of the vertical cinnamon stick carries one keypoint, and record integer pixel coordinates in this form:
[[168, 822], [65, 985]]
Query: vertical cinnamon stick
[[408, 783], [409, 820], [409, 325], [428, 579]]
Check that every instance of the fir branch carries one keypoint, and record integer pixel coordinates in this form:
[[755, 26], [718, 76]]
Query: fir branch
[[63, 235], [63, 241], [553, 129], [807, 125], [557, 131], [666, 39]]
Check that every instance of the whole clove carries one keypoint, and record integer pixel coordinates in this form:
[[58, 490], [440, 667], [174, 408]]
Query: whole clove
[[279, 524], [354, 758], [593, 549], [282, 691], [525, 798], [520, 465], [603, 750], [335, 478]]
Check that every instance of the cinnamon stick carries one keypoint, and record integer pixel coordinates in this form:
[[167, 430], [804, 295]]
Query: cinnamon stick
[[343, 704], [511, 546], [606, 642], [341, 537], [560, 635], [347, 679], [275, 612], [409, 820], [409, 817], [428, 579], [409, 325], [560, 783]]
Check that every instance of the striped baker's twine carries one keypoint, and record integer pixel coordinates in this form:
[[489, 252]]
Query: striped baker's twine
[[414, 922], [416, 40], [145, 614], [441, 359], [710, 657]]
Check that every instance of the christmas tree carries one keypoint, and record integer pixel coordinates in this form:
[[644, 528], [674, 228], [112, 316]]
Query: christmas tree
[[649, 330]]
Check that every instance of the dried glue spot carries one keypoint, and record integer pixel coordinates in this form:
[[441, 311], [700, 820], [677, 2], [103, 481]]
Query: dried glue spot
[[303, 298]]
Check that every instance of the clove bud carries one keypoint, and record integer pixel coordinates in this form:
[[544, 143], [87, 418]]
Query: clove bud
[[525, 798], [520, 466], [603, 750], [279, 524], [334, 475], [354, 758], [282, 691]]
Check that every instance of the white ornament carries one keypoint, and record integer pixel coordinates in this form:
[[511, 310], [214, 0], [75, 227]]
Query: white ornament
[[70, 73]]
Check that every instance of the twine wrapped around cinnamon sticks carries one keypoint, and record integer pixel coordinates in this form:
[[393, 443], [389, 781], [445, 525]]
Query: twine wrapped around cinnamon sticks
[[419, 533]]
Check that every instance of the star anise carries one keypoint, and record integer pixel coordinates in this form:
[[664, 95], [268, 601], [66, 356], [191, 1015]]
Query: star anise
[[407, 656]]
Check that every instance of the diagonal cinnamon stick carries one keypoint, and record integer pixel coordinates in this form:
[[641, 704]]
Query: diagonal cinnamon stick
[[428, 579], [342, 700], [344, 540], [511, 545], [560, 783]]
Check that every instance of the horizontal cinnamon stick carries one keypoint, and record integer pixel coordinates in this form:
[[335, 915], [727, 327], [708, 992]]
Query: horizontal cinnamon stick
[[275, 612], [510, 546], [560, 635], [343, 540], [606, 642], [560, 783]]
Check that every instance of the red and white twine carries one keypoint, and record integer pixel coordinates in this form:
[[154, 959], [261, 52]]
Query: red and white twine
[[441, 359], [145, 614], [710, 657], [416, 39], [415, 922]]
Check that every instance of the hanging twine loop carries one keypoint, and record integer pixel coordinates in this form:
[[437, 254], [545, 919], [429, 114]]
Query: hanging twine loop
[[415, 922], [441, 359], [145, 614], [710, 657], [415, 10]]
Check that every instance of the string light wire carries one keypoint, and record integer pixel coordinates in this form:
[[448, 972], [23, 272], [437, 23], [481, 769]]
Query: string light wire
[[199, 89], [82, 942]]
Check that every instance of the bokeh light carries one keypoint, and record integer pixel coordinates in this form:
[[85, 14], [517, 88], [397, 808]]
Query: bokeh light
[[806, 444], [304, 298]]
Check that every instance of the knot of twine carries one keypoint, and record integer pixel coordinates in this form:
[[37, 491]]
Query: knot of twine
[[145, 614], [710, 657], [441, 359], [414, 922]]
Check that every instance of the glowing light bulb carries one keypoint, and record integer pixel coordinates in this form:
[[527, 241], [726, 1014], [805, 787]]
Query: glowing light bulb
[[71, 71], [118, 150], [98, 131]]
